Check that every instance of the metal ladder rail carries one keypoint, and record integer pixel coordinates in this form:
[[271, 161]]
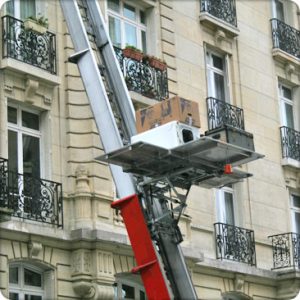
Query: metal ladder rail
[[95, 89]]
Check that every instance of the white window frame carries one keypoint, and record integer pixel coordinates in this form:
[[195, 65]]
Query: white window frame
[[20, 130], [139, 26], [21, 289], [294, 210], [211, 70], [137, 288], [221, 207], [284, 101]]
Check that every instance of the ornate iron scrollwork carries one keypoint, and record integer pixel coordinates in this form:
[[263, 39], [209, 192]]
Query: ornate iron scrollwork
[[286, 250], [31, 198], [290, 143], [221, 113], [28, 46], [140, 77], [235, 243], [285, 37], [222, 9]]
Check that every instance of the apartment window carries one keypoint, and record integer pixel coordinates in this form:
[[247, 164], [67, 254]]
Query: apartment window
[[279, 10], [24, 141], [26, 282], [217, 76], [295, 207], [129, 289], [225, 205], [127, 24], [21, 9], [286, 102]]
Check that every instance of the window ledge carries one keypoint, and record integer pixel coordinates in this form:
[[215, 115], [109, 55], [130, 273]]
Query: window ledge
[[24, 68], [141, 101], [214, 23], [284, 57], [290, 162]]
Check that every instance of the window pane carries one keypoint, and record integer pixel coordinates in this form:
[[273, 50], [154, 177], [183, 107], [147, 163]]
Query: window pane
[[32, 278], [130, 32], [13, 275], [297, 222], [9, 8], [296, 201], [289, 115], [114, 5], [27, 8], [229, 208], [12, 115], [127, 292], [279, 10], [13, 296], [12, 151], [143, 17], [115, 31], [142, 295], [217, 62], [31, 156], [33, 297], [30, 120], [129, 12], [144, 42], [219, 86], [287, 93]]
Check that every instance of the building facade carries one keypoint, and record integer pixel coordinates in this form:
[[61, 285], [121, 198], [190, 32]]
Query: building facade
[[240, 60]]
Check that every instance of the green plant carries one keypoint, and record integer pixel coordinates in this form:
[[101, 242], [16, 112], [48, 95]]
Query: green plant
[[133, 48], [41, 20]]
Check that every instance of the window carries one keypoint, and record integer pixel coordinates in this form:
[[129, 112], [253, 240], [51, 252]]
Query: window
[[128, 287], [217, 76], [26, 282], [23, 141], [21, 9], [286, 102], [225, 205], [127, 24], [295, 206], [279, 10]]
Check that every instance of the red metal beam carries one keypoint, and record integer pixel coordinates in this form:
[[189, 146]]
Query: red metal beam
[[143, 248]]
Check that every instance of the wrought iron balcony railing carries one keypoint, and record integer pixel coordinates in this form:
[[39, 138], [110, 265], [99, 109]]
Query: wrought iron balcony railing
[[285, 38], [31, 198], [28, 46], [140, 77], [235, 243], [222, 9], [290, 143], [220, 113], [286, 250]]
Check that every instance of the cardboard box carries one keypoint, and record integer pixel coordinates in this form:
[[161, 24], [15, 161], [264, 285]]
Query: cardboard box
[[173, 109]]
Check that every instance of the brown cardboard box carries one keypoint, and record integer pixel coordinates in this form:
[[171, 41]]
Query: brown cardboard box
[[173, 109]]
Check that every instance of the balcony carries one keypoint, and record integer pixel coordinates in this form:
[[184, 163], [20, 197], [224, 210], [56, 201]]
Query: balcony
[[28, 46], [220, 113], [140, 77], [286, 250], [290, 146], [235, 243], [286, 39], [219, 14], [30, 198]]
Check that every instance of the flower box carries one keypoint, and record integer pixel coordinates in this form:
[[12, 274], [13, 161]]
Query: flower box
[[30, 24], [158, 64], [133, 54]]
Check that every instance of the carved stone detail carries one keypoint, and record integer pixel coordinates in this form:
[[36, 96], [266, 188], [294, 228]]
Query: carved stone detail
[[34, 248], [82, 180], [30, 90], [239, 283], [104, 265], [81, 262]]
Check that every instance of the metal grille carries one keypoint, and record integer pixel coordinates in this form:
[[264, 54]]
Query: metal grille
[[285, 37], [221, 9], [140, 77], [286, 250], [290, 143], [221, 113], [31, 198], [28, 46], [235, 243]]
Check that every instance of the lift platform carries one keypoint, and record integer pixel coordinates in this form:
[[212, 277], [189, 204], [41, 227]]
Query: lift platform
[[198, 162]]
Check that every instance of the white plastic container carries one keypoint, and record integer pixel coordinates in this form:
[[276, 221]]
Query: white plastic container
[[169, 135]]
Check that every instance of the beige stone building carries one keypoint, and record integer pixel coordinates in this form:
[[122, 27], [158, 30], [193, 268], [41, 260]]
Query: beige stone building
[[239, 59]]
